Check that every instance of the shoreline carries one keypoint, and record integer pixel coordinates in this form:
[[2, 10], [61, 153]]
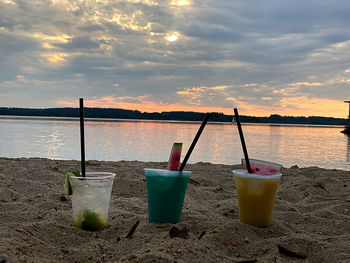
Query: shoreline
[[188, 163], [311, 216]]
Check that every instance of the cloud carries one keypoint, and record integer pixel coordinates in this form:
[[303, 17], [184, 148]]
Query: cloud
[[21, 79], [305, 84], [78, 43], [205, 54], [223, 87]]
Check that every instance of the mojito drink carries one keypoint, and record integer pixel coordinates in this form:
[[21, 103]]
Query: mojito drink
[[90, 199]]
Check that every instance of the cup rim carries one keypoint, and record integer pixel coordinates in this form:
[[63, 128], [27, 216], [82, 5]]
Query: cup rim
[[242, 173], [101, 176], [170, 173]]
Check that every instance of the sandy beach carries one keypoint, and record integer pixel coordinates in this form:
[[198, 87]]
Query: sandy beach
[[311, 217]]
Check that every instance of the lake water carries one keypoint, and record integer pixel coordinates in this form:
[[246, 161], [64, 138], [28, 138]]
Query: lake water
[[59, 138]]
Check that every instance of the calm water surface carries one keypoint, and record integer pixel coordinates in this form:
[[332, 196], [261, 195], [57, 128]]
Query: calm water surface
[[56, 138]]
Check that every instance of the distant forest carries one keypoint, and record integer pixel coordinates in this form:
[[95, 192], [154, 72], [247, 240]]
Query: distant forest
[[171, 116]]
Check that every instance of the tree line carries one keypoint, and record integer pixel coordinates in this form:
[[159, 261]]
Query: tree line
[[171, 116]]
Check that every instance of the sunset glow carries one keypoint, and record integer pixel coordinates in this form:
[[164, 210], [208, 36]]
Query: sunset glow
[[173, 37], [180, 2], [145, 106], [297, 106], [55, 57]]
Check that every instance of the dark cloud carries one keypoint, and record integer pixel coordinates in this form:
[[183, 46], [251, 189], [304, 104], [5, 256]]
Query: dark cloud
[[91, 28], [79, 42]]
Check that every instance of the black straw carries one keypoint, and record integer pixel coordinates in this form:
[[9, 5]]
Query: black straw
[[82, 140], [204, 122], [242, 140]]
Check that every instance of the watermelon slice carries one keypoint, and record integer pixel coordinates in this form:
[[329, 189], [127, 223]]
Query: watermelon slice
[[174, 159], [262, 167]]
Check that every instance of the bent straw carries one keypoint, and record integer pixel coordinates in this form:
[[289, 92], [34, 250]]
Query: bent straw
[[82, 140], [204, 122], [242, 140]]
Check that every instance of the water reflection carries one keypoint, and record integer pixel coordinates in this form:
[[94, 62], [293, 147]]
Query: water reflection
[[152, 141], [54, 143]]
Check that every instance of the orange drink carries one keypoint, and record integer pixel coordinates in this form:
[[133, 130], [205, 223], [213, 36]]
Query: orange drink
[[256, 196]]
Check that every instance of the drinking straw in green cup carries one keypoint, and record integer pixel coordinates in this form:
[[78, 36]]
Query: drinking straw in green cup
[[201, 128]]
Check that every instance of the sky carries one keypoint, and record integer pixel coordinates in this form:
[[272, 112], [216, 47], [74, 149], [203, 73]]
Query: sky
[[264, 57]]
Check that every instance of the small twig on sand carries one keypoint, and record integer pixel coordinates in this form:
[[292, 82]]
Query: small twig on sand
[[202, 234], [132, 230], [286, 251], [191, 181]]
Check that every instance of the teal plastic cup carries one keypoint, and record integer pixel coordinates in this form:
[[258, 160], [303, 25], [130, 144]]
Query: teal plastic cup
[[166, 193]]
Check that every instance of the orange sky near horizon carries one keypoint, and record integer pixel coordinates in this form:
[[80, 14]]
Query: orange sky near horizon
[[298, 106]]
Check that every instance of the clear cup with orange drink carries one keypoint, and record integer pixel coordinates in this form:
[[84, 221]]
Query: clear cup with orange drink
[[256, 196]]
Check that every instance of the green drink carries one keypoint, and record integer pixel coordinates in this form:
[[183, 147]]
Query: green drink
[[165, 193]]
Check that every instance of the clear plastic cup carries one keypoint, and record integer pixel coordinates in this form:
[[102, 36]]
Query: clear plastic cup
[[256, 197], [165, 193], [90, 199]]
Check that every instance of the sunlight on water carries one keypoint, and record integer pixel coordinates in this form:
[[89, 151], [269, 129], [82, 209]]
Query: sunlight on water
[[152, 141]]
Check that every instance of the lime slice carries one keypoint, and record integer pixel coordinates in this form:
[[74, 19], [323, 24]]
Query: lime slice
[[68, 185], [92, 221]]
